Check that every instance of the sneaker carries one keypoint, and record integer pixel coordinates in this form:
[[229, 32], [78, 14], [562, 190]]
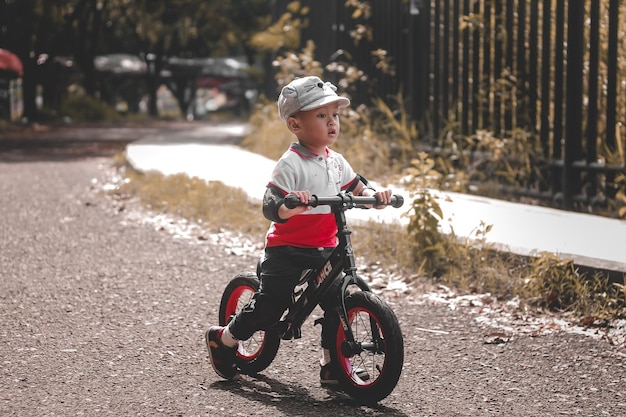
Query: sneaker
[[328, 374], [222, 357]]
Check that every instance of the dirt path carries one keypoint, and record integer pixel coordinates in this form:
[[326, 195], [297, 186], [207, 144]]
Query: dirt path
[[104, 314]]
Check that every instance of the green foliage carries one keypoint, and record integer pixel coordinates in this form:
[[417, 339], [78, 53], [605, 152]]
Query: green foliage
[[429, 244], [397, 127], [557, 285], [182, 28], [6, 126], [87, 108], [297, 64], [284, 32], [486, 164], [475, 266], [361, 12]]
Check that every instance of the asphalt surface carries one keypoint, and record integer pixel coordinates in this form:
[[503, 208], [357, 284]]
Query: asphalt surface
[[103, 314]]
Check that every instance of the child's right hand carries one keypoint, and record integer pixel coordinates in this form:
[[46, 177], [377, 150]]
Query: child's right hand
[[286, 213]]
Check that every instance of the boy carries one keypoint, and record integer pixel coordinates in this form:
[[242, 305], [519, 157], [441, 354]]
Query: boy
[[302, 237]]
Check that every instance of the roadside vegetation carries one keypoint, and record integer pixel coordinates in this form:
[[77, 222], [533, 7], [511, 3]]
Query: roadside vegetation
[[420, 253], [383, 143], [380, 142]]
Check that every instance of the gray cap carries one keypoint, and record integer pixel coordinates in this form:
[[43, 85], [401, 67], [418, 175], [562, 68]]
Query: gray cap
[[307, 93]]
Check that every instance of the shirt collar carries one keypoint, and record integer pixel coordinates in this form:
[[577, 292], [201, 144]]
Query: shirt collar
[[304, 152]]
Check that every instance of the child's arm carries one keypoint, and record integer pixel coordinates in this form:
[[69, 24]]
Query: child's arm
[[275, 210], [303, 196]]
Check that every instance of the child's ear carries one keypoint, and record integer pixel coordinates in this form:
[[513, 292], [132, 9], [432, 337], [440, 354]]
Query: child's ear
[[293, 124]]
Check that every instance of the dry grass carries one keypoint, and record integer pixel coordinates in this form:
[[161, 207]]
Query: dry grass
[[212, 204], [269, 135]]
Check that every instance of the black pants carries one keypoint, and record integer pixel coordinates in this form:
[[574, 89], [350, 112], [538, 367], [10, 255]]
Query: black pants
[[281, 268]]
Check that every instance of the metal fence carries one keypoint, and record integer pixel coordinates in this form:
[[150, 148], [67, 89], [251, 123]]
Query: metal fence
[[550, 68]]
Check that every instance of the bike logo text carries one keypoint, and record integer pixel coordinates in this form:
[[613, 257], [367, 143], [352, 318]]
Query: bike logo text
[[324, 272]]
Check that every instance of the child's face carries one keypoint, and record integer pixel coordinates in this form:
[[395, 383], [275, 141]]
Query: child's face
[[318, 128]]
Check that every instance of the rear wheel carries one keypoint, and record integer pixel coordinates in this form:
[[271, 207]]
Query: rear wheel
[[378, 349], [258, 352]]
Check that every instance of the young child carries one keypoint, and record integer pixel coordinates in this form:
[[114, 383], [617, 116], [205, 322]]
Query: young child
[[302, 237]]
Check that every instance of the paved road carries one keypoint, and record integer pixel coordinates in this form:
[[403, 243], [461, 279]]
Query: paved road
[[103, 314]]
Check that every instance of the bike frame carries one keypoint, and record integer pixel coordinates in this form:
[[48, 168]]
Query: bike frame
[[340, 266]]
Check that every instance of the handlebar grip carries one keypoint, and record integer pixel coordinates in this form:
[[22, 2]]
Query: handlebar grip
[[397, 201], [292, 201]]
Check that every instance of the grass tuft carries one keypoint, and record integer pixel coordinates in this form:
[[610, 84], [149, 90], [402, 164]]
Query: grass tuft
[[209, 203]]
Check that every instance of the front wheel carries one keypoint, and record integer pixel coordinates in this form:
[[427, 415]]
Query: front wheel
[[370, 369], [258, 352]]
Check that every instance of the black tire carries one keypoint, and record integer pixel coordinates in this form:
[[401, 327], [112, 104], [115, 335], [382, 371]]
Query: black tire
[[369, 316], [258, 352]]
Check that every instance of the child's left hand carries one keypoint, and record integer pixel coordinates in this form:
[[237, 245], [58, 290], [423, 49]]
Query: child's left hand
[[384, 198]]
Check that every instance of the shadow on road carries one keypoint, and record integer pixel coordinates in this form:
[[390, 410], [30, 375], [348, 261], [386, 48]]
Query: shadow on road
[[58, 150], [296, 400], [72, 142], [61, 143]]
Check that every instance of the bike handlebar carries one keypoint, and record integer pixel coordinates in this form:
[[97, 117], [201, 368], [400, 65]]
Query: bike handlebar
[[347, 200]]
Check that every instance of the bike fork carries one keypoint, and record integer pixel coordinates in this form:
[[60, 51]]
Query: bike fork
[[350, 346]]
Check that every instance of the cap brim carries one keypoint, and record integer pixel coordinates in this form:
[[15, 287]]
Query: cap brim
[[342, 101]]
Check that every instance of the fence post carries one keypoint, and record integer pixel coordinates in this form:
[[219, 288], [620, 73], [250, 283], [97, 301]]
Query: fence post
[[611, 100], [573, 138], [420, 92]]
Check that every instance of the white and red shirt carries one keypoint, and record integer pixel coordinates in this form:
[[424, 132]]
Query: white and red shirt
[[297, 170]]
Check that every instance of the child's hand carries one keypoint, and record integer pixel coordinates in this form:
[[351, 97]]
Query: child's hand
[[384, 198], [304, 197]]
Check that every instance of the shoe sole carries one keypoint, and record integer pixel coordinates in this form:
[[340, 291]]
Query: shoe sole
[[333, 382], [209, 344]]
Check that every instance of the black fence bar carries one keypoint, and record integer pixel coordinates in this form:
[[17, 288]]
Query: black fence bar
[[486, 114], [448, 48], [573, 116], [437, 80], [545, 94], [497, 65], [475, 75], [520, 68], [465, 68], [611, 101], [456, 57], [509, 64], [593, 60], [533, 53], [557, 122], [420, 92]]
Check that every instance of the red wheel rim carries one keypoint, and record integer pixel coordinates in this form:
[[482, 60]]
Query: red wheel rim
[[359, 319], [251, 348]]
